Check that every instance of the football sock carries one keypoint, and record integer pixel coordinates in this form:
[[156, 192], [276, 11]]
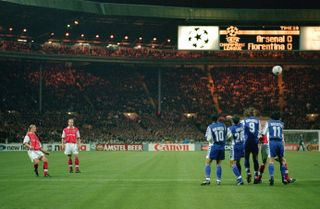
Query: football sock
[[219, 172], [271, 169], [36, 166], [45, 168], [207, 171], [235, 170], [239, 167], [283, 171], [70, 163], [286, 175], [248, 171], [76, 162], [247, 165]]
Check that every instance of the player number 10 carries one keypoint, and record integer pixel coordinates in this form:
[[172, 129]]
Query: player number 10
[[219, 136]]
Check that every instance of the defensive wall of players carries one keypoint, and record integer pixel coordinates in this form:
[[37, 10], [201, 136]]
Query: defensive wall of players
[[157, 147]]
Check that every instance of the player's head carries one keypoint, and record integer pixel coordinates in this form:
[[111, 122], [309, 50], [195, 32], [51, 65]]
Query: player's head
[[275, 115], [236, 119], [32, 128], [214, 117], [70, 122], [251, 111]]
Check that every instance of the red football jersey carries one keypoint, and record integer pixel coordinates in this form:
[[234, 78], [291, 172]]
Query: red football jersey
[[70, 134], [34, 141]]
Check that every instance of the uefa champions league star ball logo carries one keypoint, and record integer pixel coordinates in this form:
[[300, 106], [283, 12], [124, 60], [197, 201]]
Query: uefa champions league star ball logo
[[199, 38], [232, 31]]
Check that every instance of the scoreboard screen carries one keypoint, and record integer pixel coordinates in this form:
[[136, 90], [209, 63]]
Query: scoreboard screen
[[277, 38]]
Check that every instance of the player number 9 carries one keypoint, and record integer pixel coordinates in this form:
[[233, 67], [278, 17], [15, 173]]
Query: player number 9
[[252, 128]]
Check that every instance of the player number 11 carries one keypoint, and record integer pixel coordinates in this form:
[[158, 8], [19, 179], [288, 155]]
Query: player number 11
[[276, 131]]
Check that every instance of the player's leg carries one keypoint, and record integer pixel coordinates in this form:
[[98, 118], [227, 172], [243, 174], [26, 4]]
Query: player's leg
[[237, 173], [241, 152], [76, 158], [283, 170], [264, 158], [218, 171], [235, 156], [282, 162], [220, 156], [246, 162], [35, 166], [207, 172], [271, 170], [70, 163], [287, 177], [68, 152], [45, 166], [255, 153], [207, 169], [262, 167], [35, 160], [272, 155], [76, 162], [238, 163]]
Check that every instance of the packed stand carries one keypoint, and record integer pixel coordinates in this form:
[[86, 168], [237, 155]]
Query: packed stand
[[100, 96]]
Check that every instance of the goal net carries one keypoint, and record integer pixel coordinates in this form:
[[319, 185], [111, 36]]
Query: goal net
[[302, 139]]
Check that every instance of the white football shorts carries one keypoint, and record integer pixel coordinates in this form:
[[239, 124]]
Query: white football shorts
[[71, 148], [35, 155]]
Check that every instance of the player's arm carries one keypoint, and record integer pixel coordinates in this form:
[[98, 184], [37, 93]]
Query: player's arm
[[78, 140], [208, 135], [260, 130], [265, 129], [26, 143], [263, 133], [44, 151], [62, 139], [229, 135]]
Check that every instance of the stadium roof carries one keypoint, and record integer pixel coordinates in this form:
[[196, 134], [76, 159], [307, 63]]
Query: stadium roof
[[43, 17], [271, 4]]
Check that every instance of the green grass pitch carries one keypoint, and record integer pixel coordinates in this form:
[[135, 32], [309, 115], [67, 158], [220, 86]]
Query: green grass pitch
[[150, 180]]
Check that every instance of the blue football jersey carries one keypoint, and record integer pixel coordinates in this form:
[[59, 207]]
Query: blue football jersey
[[251, 127], [236, 132], [274, 130], [216, 133]]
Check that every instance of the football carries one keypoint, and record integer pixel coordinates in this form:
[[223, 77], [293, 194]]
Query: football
[[277, 70]]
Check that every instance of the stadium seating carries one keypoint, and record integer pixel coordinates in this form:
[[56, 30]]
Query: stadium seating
[[98, 96]]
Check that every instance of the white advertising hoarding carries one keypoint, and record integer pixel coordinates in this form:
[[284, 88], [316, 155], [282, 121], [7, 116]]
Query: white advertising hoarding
[[198, 38]]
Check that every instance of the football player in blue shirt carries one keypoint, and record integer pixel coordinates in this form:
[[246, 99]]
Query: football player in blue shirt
[[236, 134], [274, 132], [216, 136], [252, 129]]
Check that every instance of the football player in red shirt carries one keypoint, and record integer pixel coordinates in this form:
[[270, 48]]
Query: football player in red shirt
[[35, 151], [70, 143]]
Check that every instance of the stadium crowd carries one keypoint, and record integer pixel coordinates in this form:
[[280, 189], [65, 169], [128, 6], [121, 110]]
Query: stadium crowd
[[101, 50], [99, 98]]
